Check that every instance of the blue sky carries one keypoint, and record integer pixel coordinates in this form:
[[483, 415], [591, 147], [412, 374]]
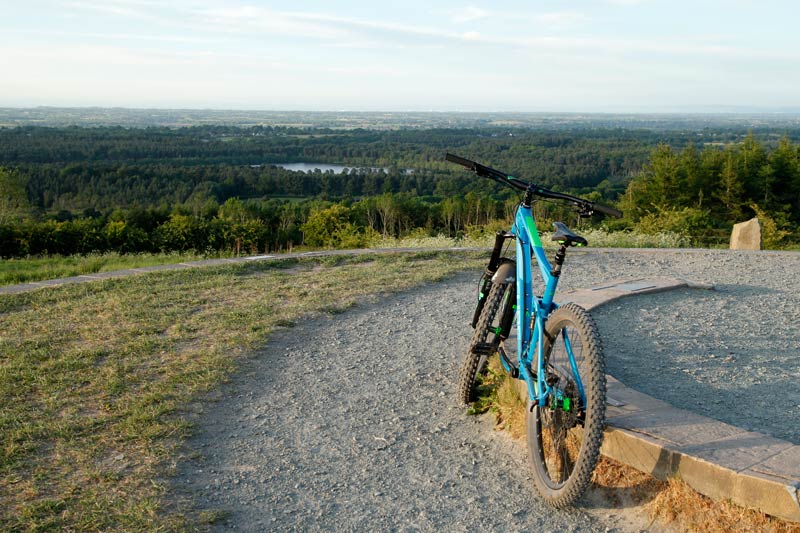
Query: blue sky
[[539, 55]]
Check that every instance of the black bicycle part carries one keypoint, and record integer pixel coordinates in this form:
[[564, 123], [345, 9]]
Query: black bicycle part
[[564, 235], [485, 284], [484, 342], [585, 207]]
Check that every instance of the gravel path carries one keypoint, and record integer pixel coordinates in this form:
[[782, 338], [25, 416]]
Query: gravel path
[[350, 422]]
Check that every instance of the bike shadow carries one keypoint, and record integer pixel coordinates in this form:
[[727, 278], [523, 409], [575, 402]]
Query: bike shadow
[[616, 486]]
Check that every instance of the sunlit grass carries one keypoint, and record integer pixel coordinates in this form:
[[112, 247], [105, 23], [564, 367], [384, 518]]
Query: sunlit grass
[[95, 378], [25, 270], [597, 237]]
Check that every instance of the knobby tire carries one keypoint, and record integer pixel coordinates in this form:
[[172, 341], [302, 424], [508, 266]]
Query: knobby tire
[[483, 344], [564, 444]]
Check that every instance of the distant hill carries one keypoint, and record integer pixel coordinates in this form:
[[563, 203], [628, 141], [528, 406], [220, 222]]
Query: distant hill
[[704, 117]]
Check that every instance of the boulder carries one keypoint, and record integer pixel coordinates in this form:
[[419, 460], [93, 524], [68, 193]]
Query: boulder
[[746, 235]]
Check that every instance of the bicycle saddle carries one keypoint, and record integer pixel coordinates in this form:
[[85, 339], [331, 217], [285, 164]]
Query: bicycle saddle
[[564, 235]]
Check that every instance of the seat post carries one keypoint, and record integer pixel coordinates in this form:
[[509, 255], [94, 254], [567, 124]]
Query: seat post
[[561, 254]]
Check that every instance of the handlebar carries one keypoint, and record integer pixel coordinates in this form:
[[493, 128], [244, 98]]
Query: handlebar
[[585, 207]]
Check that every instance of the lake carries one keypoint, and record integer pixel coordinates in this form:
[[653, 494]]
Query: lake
[[323, 167]]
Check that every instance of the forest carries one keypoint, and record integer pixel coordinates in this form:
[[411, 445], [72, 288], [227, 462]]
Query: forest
[[216, 188]]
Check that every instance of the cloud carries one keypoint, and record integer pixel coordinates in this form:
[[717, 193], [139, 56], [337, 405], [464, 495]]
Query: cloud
[[560, 19], [122, 9], [345, 31], [255, 19], [246, 18], [625, 2], [108, 37], [469, 14]]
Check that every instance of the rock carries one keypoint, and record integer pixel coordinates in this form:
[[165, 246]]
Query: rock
[[746, 235]]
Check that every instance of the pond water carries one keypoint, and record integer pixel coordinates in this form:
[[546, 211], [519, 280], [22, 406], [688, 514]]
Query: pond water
[[323, 167]]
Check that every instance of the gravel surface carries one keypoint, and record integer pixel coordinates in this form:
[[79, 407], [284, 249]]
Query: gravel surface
[[350, 422]]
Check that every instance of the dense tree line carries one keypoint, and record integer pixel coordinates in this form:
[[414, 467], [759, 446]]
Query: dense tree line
[[102, 168], [700, 191], [79, 190], [246, 226]]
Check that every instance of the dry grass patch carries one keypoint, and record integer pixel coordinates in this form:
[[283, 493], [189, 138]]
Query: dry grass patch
[[497, 394], [96, 379], [677, 503]]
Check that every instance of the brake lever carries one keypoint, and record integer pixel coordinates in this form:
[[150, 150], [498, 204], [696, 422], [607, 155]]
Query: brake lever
[[584, 211]]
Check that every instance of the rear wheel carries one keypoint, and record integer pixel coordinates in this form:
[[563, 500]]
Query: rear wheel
[[484, 342], [564, 436]]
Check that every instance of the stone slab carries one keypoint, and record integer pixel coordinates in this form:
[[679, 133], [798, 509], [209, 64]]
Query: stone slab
[[746, 235], [679, 428], [752, 470], [785, 464], [608, 292], [739, 452], [632, 401]]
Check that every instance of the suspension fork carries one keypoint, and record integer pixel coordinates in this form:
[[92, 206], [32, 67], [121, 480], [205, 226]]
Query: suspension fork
[[486, 280]]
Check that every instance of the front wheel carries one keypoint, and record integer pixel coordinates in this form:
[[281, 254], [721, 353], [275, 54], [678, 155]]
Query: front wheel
[[565, 434], [485, 340]]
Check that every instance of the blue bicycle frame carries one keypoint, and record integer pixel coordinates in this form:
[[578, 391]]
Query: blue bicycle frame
[[532, 311], [565, 422]]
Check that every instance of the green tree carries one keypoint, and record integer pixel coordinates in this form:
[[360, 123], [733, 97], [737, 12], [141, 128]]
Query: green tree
[[234, 210], [786, 175], [14, 205], [664, 177], [751, 162], [730, 191], [332, 227], [180, 232]]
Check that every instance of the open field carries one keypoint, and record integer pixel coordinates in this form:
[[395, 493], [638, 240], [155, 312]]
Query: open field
[[96, 379]]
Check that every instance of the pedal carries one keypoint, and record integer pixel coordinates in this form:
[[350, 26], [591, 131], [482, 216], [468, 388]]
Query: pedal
[[484, 348]]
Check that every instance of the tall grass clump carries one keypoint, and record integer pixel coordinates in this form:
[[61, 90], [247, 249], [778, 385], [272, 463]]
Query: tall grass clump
[[597, 237]]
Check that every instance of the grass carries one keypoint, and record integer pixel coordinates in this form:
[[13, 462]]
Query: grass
[[41, 268], [97, 380], [669, 502], [597, 237]]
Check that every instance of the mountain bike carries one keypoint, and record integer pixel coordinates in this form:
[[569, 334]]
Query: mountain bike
[[555, 350]]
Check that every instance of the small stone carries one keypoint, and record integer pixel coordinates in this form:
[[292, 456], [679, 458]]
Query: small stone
[[746, 235]]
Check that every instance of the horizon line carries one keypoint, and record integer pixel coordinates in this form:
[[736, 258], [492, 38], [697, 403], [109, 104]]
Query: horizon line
[[690, 110]]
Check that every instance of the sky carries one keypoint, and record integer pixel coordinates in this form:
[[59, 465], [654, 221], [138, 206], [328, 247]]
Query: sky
[[410, 55]]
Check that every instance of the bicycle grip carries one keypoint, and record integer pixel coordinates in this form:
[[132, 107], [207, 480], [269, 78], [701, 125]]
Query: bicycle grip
[[607, 210], [459, 160]]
